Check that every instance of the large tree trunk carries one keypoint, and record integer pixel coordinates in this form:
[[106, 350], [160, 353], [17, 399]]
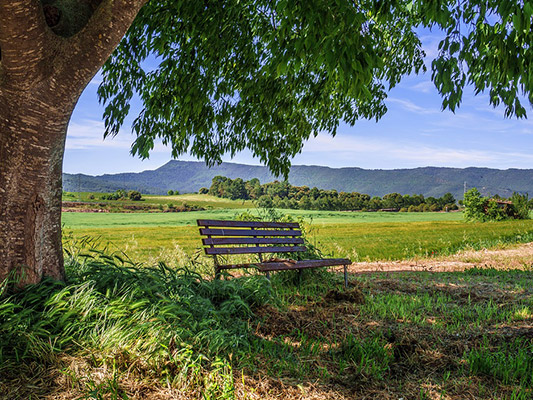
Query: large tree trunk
[[47, 57], [32, 142]]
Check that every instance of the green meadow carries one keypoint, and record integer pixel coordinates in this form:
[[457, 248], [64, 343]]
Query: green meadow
[[358, 235]]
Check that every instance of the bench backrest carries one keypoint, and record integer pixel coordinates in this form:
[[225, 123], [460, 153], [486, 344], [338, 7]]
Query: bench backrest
[[250, 237]]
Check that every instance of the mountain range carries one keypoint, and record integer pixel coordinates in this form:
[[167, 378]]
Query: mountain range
[[190, 176]]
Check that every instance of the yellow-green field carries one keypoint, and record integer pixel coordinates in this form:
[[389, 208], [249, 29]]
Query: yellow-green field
[[359, 236], [193, 199]]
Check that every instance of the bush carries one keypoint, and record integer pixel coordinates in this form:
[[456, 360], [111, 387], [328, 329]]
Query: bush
[[265, 201], [170, 192], [521, 205], [134, 195], [479, 208]]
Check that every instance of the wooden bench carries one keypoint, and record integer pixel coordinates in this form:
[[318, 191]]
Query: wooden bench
[[251, 237]]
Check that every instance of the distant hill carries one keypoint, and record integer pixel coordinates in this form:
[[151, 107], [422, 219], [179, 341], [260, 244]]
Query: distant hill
[[190, 176]]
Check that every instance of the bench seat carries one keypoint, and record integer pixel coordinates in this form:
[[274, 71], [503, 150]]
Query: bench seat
[[289, 264]]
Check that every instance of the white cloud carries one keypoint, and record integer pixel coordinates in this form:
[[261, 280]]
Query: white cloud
[[412, 107], [386, 153], [424, 87], [89, 135]]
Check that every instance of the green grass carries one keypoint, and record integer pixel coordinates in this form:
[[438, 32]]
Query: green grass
[[358, 236], [121, 330], [109, 220]]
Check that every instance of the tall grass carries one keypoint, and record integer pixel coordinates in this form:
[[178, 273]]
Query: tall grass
[[511, 363], [170, 322]]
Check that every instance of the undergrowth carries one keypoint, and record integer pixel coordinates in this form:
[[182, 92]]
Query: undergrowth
[[168, 322]]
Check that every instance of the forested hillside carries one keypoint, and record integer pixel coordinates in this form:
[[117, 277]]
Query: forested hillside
[[189, 176]]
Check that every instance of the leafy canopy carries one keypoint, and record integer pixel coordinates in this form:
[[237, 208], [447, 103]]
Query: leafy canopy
[[266, 75]]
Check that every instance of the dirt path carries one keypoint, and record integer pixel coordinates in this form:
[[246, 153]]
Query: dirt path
[[520, 256]]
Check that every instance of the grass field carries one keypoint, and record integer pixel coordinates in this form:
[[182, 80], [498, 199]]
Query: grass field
[[359, 236], [110, 220], [199, 200], [117, 331]]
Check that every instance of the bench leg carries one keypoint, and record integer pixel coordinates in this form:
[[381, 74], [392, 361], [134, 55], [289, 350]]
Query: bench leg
[[345, 276], [268, 275], [217, 274]]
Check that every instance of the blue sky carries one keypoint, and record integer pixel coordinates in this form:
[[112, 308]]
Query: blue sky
[[414, 133]]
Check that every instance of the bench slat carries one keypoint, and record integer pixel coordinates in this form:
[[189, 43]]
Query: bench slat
[[246, 224], [253, 250], [285, 265], [248, 232], [247, 240]]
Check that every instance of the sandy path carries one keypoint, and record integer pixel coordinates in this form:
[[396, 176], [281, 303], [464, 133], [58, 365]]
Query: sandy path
[[520, 256]]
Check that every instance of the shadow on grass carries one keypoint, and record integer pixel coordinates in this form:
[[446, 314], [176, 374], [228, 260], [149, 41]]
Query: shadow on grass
[[119, 330]]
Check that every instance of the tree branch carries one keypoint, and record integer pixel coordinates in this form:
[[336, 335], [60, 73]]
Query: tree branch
[[23, 41], [86, 52]]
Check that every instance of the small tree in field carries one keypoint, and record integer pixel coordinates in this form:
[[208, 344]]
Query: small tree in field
[[521, 205], [474, 205], [135, 195], [170, 192]]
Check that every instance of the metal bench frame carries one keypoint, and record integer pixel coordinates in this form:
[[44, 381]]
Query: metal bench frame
[[253, 237]]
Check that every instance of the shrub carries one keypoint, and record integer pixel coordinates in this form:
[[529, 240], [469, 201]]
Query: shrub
[[479, 208], [521, 205], [265, 201], [134, 195], [170, 192]]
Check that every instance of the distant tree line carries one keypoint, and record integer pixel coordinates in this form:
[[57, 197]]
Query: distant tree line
[[284, 195]]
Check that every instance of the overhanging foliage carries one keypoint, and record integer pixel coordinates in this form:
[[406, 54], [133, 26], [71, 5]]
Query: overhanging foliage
[[267, 75]]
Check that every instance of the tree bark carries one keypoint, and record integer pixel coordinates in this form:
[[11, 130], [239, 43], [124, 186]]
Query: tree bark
[[42, 76], [32, 141]]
